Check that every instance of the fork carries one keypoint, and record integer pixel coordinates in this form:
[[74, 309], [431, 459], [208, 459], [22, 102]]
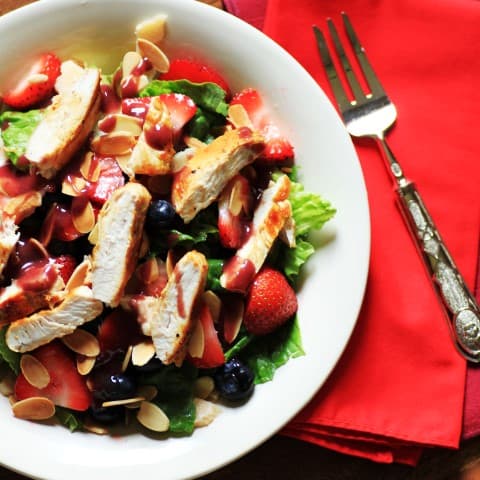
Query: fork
[[371, 115]]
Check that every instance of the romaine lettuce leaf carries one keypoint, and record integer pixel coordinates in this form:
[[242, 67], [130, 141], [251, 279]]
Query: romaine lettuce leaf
[[68, 418], [11, 358], [19, 128], [208, 96]]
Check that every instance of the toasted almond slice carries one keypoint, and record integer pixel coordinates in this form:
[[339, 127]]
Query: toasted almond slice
[[33, 243], [83, 216], [148, 49], [92, 427], [37, 78], [34, 408], [287, 233], [125, 401], [79, 276], [89, 168], [143, 81], [116, 143], [93, 235], [232, 318], [205, 412], [121, 123], [126, 358], [238, 116], [73, 185], [129, 62], [7, 384], [235, 202], [203, 387], [83, 342], [142, 353], [85, 364], [153, 417], [196, 345], [214, 304], [34, 371], [149, 392], [152, 29]]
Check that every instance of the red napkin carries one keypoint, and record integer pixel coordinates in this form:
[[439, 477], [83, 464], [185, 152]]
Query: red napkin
[[400, 384]]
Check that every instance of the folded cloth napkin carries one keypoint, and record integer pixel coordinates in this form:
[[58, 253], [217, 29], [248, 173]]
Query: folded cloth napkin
[[399, 385]]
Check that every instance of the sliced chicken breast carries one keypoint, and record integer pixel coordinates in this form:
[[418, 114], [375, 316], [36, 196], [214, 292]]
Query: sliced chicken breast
[[269, 218], [42, 327], [67, 121], [8, 238], [171, 317], [119, 233], [205, 175]]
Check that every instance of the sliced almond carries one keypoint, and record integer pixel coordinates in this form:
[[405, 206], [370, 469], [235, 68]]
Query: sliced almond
[[148, 49], [235, 202], [287, 233], [85, 364], [116, 143], [142, 353], [79, 276], [203, 387], [214, 304], [7, 384], [34, 371], [232, 316], [126, 401], [125, 164], [126, 358], [153, 417], [142, 82], [90, 168], [152, 29], [34, 408], [149, 392], [130, 61], [205, 412], [122, 123], [73, 185], [83, 215], [82, 342], [238, 116], [92, 427], [33, 243], [93, 235], [196, 345]]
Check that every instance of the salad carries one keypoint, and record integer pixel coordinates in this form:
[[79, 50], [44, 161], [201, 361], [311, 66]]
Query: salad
[[152, 230]]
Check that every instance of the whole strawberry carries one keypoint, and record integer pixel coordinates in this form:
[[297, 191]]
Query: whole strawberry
[[271, 301]]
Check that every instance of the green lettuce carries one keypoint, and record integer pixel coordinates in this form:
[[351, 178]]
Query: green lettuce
[[208, 96], [12, 359], [68, 418], [19, 129]]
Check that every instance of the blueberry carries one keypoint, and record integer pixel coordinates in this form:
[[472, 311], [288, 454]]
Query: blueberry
[[160, 214], [234, 380], [106, 415], [117, 386]]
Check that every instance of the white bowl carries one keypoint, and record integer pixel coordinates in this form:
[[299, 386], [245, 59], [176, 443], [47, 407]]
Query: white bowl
[[331, 295]]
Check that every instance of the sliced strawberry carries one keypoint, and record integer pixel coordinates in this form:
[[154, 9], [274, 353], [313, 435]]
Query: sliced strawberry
[[194, 71], [271, 301], [110, 178], [213, 355], [65, 265], [181, 108], [234, 210], [37, 85], [67, 388], [13, 182], [119, 330], [278, 150], [58, 224]]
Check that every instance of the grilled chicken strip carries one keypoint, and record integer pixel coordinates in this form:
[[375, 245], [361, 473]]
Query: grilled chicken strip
[[67, 121], [269, 218], [201, 180], [119, 233], [42, 327], [8, 238], [171, 316]]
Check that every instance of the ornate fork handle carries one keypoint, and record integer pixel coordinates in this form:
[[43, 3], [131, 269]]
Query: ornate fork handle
[[462, 309]]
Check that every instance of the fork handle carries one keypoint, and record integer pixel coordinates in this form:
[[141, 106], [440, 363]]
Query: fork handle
[[461, 307]]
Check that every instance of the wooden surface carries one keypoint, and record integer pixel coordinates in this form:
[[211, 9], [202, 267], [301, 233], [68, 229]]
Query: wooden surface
[[283, 458]]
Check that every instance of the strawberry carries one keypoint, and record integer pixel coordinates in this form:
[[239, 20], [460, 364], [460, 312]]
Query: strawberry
[[271, 301], [37, 85], [180, 107], [119, 330], [278, 149], [66, 388], [110, 178], [213, 355], [194, 71], [65, 265]]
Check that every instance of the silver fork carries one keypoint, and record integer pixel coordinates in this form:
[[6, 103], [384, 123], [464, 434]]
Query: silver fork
[[371, 115]]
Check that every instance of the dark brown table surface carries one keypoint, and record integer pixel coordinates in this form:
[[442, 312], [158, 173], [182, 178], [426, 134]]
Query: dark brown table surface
[[283, 458]]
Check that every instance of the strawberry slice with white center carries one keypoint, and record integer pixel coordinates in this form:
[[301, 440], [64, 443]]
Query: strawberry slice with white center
[[180, 107], [110, 179], [278, 150], [67, 388], [37, 85]]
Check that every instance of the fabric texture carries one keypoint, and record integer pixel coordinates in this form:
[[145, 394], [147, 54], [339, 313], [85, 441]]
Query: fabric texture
[[400, 384]]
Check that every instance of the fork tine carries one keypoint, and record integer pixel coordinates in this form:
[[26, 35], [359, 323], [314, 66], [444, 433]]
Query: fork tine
[[332, 74], [347, 67], [371, 77]]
